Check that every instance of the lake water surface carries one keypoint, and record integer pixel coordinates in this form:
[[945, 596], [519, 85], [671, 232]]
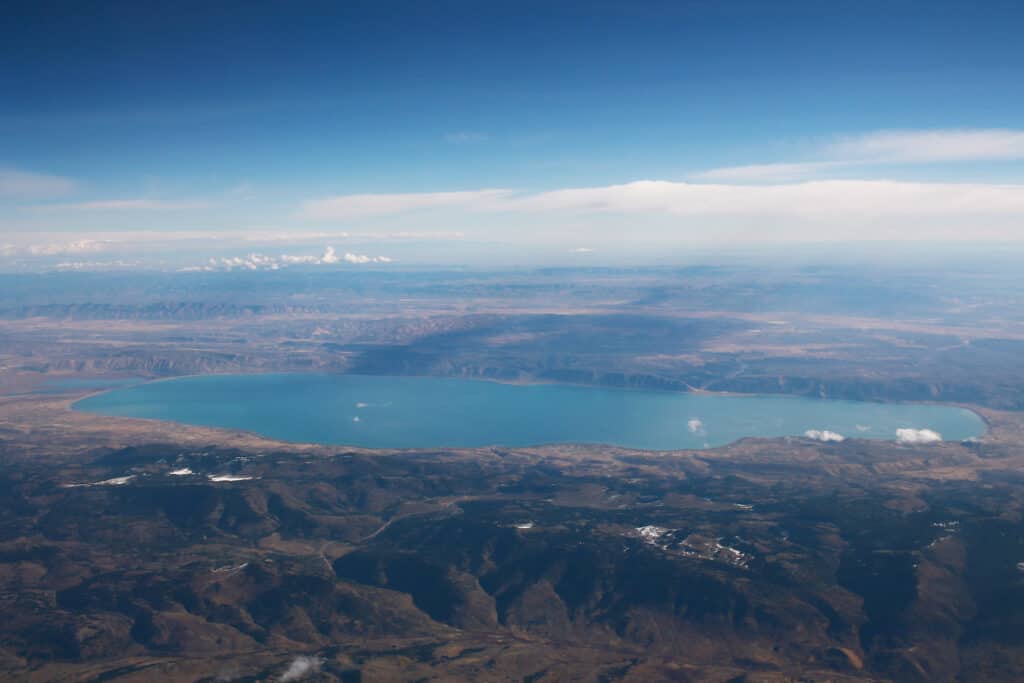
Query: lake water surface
[[427, 412]]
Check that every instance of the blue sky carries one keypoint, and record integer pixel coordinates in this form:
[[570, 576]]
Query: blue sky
[[260, 118]]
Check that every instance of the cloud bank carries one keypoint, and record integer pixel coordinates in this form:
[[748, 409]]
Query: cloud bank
[[813, 201], [814, 198], [884, 148], [930, 146]]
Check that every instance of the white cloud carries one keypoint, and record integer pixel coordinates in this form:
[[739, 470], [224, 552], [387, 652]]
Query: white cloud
[[250, 262], [75, 248], [329, 256], [581, 250], [301, 667], [362, 205], [96, 265], [915, 436], [297, 260], [131, 205], [760, 173], [363, 258], [357, 258], [865, 198], [15, 184], [83, 246], [880, 148], [927, 146], [695, 426], [264, 262], [824, 435], [809, 199]]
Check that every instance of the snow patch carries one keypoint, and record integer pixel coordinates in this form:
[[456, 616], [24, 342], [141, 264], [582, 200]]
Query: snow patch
[[651, 534], [229, 477], [301, 667], [114, 481]]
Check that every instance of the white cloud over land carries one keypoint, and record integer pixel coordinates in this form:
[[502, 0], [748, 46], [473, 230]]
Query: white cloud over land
[[257, 261], [301, 667], [331, 257], [824, 435]]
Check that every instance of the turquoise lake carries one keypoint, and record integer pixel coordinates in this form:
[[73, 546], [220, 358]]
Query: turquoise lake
[[427, 412]]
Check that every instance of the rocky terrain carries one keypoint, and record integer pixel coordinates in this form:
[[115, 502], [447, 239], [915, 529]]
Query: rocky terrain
[[768, 560], [833, 332], [133, 550]]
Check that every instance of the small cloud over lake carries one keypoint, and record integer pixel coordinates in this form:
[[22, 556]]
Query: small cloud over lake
[[916, 436], [695, 425]]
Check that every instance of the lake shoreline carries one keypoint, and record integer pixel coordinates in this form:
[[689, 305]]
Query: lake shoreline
[[648, 398]]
